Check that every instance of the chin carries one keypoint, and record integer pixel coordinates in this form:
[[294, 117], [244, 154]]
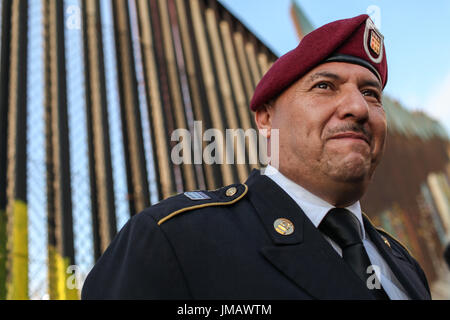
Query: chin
[[356, 171], [348, 176], [352, 178]]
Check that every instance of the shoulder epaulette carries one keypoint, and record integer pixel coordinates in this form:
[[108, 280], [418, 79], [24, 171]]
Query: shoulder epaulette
[[192, 200]]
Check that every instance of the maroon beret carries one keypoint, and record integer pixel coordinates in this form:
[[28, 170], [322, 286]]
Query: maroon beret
[[354, 40]]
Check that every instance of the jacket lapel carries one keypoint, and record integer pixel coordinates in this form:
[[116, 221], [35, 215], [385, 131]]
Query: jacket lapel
[[403, 270], [304, 256]]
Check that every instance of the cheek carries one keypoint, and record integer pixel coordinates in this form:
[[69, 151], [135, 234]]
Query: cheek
[[300, 128], [291, 138], [379, 131]]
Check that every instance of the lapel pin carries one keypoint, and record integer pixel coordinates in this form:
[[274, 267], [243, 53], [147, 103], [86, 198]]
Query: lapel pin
[[386, 241], [283, 226]]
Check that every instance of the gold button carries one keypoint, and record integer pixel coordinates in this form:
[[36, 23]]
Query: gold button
[[231, 192], [283, 226]]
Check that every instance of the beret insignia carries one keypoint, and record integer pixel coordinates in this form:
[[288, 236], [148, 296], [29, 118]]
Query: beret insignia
[[373, 42]]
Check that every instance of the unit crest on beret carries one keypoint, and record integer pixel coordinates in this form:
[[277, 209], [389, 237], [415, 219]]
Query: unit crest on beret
[[193, 200]]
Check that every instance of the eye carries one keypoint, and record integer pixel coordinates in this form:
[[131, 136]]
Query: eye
[[323, 85], [371, 93]]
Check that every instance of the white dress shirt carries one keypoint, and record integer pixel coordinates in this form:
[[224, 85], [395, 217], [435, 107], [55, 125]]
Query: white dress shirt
[[316, 208]]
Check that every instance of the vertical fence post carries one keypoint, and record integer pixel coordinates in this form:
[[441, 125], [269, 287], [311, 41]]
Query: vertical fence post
[[61, 252], [17, 219], [101, 177], [4, 101]]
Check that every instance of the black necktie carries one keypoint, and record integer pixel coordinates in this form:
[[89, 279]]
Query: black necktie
[[341, 226]]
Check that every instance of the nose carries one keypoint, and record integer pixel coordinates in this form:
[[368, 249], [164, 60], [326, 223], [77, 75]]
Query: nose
[[353, 105]]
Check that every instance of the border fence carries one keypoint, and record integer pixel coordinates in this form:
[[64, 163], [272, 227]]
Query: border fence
[[90, 93]]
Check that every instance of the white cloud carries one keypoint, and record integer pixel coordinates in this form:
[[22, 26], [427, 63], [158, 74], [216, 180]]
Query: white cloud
[[438, 105]]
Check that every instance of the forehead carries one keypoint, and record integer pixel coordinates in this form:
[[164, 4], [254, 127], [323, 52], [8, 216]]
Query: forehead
[[343, 70]]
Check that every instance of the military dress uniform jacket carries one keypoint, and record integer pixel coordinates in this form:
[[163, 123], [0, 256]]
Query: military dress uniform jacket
[[223, 245]]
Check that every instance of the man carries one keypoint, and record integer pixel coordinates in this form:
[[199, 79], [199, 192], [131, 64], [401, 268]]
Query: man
[[292, 232]]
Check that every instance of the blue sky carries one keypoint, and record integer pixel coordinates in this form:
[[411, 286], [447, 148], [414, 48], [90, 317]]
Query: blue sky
[[417, 38]]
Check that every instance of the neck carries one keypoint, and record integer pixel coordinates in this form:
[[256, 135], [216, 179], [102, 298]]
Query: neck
[[337, 193]]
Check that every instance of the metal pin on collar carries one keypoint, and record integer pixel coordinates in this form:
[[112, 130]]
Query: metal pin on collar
[[386, 241], [283, 226]]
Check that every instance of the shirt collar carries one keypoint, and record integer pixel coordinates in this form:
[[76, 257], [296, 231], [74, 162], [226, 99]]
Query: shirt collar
[[314, 207]]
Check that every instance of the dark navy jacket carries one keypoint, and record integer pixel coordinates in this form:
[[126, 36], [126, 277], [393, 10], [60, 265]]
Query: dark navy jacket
[[226, 247]]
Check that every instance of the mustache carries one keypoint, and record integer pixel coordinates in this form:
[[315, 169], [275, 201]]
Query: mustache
[[350, 127]]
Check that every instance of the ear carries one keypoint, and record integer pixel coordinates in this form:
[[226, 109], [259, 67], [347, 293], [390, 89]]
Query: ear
[[263, 119]]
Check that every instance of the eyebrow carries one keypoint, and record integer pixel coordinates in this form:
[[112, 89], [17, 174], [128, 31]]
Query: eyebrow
[[330, 75], [371, 83], [324, 74]]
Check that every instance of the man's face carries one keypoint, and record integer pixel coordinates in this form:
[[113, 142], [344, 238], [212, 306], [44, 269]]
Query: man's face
[[332, 126]]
